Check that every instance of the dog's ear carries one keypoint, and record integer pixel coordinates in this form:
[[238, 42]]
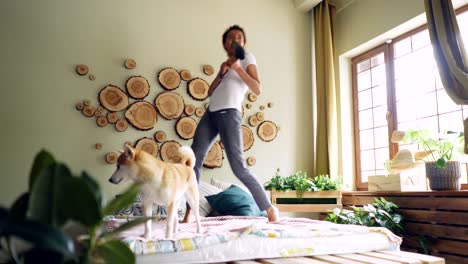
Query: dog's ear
[[129, 152]]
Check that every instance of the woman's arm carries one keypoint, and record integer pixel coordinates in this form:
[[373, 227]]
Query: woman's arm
[[222, 70]]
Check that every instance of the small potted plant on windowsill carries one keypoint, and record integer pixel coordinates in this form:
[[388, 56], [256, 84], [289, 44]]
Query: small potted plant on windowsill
[[443, 169]]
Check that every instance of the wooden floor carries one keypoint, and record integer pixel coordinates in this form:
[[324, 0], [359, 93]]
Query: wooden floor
[[377, 257]]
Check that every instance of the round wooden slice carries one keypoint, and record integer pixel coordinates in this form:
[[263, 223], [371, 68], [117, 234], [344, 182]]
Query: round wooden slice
[[247, 137], [141, 115], [252, 97], [214, 158], [113, 99], [253, 121], [262, 107], [199, 111], [137, 87], [185, 75], [86, 102], [270, 104], [79, 106], [185, 127], [98, 146], [248, 105], [198, 89], [160, 136], [169, 78], [170, 151], [251, 161], [99, 109], [112, 117], [111, 157], [92, 77], [130, 64], [260, 116], [207, 105], [88, 111], [101, 121], [147, 145], [121, 125], [169, 104], [208, 69], [97, 113], [267, 131], [189, 109], [81, 69]]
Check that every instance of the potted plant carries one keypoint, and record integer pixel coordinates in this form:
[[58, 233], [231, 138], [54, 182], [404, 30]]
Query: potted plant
[[440, 155]]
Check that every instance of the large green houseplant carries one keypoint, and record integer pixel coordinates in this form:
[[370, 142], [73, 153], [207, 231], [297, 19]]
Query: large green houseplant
[[441, 153], [61, 218]]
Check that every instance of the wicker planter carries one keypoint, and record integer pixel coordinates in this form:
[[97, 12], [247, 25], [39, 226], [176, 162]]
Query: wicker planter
[[447, 178]]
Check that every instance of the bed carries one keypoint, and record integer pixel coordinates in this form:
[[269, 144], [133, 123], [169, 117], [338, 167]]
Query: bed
[[243, 238]]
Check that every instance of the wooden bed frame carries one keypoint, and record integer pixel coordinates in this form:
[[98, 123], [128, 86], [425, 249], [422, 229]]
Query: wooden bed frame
[[377, 257]]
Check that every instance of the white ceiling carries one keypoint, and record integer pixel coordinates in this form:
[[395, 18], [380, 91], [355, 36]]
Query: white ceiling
[[306, 5]]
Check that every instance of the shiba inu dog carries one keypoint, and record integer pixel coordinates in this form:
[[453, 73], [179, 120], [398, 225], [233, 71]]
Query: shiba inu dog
[[163, 183]]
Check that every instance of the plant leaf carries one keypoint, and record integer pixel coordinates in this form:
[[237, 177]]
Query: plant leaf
[[48, 194], [81, 203], [20, 207], [42, 160], [123, 200], [94, 186], [116, 251]]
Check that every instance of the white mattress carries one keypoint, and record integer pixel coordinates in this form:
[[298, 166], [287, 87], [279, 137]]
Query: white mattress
[[239, 238]]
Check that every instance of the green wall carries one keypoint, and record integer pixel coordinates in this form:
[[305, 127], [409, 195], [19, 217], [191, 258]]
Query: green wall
[[43, 41]]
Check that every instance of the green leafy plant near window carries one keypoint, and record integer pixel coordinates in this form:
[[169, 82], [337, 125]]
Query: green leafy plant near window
[[380, 213], [56, 203], [441, 148], [300, 183]]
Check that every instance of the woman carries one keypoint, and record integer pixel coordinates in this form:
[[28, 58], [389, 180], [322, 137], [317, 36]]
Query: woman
[[224, 117]]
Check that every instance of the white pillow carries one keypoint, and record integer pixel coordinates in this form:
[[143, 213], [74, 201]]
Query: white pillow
[[206, 189], [224, 185]]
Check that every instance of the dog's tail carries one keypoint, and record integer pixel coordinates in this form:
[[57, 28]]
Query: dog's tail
[[188, 157]]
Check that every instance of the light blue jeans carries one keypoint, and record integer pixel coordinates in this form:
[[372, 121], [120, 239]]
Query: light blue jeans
[[227, 123]]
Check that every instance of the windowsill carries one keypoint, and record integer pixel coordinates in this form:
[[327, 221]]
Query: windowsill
[[463, 193]]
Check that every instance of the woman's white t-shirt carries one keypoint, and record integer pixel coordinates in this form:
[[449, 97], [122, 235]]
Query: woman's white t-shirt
[[231, 91]]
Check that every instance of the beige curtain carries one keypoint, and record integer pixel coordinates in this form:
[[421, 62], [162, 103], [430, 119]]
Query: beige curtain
[[325, 123], [449, 51]]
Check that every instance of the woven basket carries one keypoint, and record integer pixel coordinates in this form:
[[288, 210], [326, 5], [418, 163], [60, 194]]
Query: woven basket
[[447, 178]]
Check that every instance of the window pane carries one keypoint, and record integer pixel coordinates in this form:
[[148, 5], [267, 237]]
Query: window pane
[[364, 80], [402, 47], [421, 39], [445, 103], [365, 119], [378, 75], [427, 105], [367, 160], [430, 123], [365, 99], [381, 137], [379, 95], [451, 121], [381, 155], [380, 116], [365, 65], [406, 110], [367, 139], [377, 60]]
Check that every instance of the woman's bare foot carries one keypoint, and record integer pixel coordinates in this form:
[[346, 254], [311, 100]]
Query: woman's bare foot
[[273, 214]]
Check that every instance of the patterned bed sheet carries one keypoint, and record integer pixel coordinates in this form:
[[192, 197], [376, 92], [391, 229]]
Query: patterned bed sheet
[[221, 230]]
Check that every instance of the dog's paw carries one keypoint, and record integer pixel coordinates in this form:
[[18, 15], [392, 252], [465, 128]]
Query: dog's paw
[[147, 235]]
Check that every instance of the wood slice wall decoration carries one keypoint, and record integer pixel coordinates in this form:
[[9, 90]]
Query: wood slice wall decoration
[[113, 98], [169, 78], [214, 158], [148, 145], [198, 89], [267, 131], [170, 151], [170, 105], [185, 127], [247, 137], [137, 87], [160, 136], [141, 115], [111, 157]]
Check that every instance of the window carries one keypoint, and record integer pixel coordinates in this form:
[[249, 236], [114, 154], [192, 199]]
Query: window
[[396, 86]]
